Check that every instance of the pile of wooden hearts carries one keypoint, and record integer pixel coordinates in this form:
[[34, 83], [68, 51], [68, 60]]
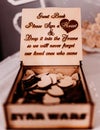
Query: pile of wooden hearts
[[50, 84]]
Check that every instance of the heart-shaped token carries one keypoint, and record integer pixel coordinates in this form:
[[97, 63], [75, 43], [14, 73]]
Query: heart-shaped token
[[53, 78], [30, 87], [41, 75], [60, 76], [29, 72], [75, 76], [45, 81], [47, 99], [20, 100], [55, 91], [66, 82], [67, 25], [38, 91], [74, 83], [31, 76]]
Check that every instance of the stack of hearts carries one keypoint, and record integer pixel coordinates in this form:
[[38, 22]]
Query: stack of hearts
[[49, 88]]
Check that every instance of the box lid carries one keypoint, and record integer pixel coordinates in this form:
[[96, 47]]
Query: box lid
[[51, 36]]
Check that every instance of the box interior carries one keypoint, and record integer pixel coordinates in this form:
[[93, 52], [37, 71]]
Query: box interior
[[24, 92]]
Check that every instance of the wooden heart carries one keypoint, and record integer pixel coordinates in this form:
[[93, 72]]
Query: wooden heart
[[45, 81], [53, 78], [47, 99], [66, 82], [55, 91], [75, 76], [68, 26]]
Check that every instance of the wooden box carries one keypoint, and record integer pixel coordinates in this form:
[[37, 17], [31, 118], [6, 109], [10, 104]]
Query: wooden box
[[50, 90]]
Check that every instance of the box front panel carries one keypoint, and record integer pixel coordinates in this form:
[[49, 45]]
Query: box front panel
[[54, 116]]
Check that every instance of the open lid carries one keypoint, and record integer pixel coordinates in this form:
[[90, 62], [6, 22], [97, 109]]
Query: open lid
[[51, 36]]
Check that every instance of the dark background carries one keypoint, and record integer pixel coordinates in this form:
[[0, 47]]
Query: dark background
[[9, 37]]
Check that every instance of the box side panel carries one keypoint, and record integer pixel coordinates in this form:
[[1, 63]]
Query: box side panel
[[10, 96], [88, 96], [85, 86], [13, 90], [43, 116]]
